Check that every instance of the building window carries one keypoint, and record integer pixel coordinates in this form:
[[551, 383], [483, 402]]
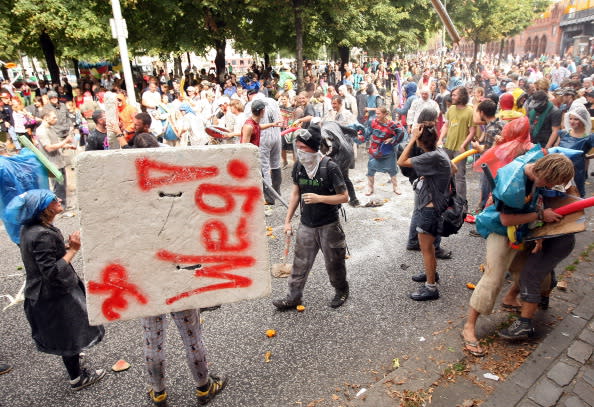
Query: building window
[[543, 45]]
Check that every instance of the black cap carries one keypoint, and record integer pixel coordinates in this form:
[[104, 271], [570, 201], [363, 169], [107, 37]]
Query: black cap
[[258, 106], [313, 139], [590, 94]]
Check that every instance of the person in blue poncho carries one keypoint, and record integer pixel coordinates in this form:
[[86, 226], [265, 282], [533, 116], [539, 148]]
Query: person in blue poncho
[[578, 136], [518, 202], [54, 294]]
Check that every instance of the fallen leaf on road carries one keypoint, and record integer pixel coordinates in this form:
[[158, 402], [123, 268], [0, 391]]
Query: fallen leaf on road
[[395, 363], [335, 397], [269, 233], [300, 308], [267, 356], [315, 403], [562, 285], [270, 333], [470, 286], [120, 366], [269, 228]]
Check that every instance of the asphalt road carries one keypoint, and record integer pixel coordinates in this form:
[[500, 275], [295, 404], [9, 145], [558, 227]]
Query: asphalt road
[[316, 354]]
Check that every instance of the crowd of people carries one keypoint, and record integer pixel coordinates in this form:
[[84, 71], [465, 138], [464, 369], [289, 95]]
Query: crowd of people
[[413, 115]]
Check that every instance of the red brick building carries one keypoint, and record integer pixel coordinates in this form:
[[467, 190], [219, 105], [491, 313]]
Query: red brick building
[[567, 27]]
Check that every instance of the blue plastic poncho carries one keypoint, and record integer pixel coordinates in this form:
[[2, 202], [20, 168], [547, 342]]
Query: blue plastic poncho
[[18, 174], [24, 208], [510, 188]]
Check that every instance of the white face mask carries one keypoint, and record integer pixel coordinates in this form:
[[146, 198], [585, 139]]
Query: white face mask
[[311, 161]]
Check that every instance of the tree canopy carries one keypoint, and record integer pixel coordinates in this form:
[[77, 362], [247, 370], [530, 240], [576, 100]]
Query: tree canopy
[[80, 28]]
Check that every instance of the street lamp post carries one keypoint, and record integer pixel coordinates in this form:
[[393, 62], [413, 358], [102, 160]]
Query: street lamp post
[[120, 31]]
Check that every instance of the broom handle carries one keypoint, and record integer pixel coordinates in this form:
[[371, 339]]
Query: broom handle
[[287, 244]]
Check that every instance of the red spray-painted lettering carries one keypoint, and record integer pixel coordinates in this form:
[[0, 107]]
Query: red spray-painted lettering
[[175, 173], [114, 281], [252, 195], [220, 263], [220, 242]]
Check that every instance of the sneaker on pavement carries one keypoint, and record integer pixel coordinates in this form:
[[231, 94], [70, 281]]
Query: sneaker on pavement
[[339, 298], [4, 368], [424, 294], [158, 398], [215, 386], [87, 378], [414, 247], [517, 330], [422, 277], [286, 304], [443, 254]]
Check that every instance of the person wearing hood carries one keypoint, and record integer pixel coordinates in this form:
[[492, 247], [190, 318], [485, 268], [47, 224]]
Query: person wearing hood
[[191, 127], [545, 119], [319, 189], [577, 135], [411, 94], [126, 115], [54, 294]]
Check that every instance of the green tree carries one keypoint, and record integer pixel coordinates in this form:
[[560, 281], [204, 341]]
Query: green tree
[[517, 18], [57, 28], [483, 21]]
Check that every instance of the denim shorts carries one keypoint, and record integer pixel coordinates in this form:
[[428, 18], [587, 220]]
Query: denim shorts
[[428, 220]]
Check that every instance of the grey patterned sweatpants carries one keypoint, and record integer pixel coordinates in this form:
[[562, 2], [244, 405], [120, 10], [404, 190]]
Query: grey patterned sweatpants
[[155, 330], [330, 240]]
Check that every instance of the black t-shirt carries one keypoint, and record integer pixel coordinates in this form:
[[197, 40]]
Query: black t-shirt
[[553, 119], [319, 214], [96, 140]]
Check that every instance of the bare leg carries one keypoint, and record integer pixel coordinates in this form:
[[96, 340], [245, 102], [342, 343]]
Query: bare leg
[[469, 331], [428, 251], [395, 187], [511, 298], [529, 309], [284, 157], [370, 181]]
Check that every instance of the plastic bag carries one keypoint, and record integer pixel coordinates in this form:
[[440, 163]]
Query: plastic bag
[[18, 174], [24, 208], [516, 141]]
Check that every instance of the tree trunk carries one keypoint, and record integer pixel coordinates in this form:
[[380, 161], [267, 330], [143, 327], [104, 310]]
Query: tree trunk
[[5, 72], [220, 60], [177, 67], [34, 68], [476, 49], [266, 60], [189, 61], [49, 51], [76, 71], [501, 45], [297, 8], [345, 53]]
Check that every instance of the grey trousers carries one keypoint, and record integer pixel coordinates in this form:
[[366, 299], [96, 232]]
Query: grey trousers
[[331, 240]]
